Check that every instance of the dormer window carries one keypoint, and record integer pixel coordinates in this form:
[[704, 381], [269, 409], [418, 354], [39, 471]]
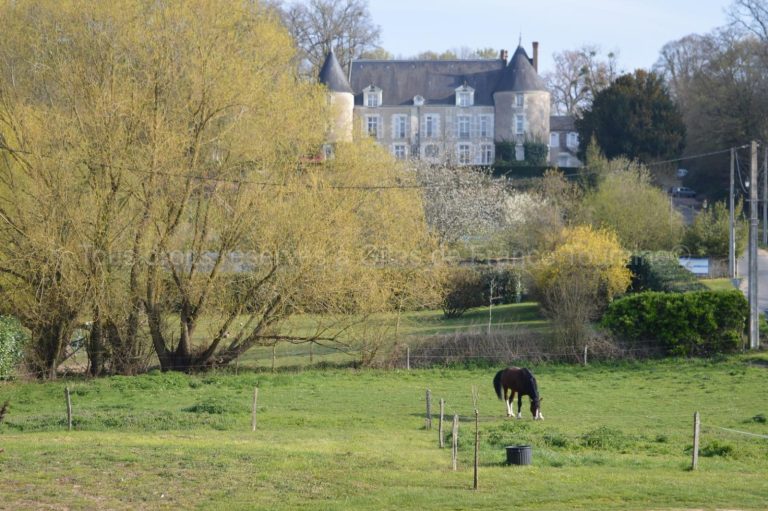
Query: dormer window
[[418, 100], [372, 96], [465, 96]]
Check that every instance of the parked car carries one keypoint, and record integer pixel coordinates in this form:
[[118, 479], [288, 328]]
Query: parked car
[[682, 191]]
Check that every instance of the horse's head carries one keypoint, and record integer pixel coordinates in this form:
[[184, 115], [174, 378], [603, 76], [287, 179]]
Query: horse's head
[[536, 408]]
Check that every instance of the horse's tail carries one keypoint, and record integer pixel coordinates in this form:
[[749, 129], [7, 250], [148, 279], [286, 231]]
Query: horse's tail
[[497, 383], [3, 410]]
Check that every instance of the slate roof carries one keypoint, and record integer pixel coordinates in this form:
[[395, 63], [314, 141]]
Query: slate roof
[[562, 123], [332, 75], [520, 75], [435, 80]]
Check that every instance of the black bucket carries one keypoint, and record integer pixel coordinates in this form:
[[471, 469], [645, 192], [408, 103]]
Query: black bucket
[[518, 454]]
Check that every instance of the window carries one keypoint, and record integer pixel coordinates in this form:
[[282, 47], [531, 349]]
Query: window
[[554, 140], [572, 140], [519, 152], [463, 126], [372, 125], [431, 151], [399, 126], [463, 154], [486, 126], [486, 154], [519, 124], [372, 97], [519, 100], [430, 126], [400, 151], [465, 96], [562, 160]]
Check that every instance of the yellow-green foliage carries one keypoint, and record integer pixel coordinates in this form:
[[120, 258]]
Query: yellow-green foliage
[[154, 149], [592, 260], [626, 202]]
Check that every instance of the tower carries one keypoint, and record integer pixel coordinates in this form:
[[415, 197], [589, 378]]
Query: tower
[[340, 97], [521, 101]]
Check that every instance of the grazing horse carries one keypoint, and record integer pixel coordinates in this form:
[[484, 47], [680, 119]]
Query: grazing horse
[[521, 381]]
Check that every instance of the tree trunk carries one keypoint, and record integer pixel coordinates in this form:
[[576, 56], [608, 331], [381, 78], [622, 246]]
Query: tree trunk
[[95, 346]]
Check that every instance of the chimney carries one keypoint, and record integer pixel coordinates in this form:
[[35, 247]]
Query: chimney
[[536, 56], [504, 55]]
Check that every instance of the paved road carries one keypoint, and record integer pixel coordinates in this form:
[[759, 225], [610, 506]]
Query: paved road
[[762, 277]]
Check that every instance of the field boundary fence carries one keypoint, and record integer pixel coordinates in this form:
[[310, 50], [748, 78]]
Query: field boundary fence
[[443, 350]]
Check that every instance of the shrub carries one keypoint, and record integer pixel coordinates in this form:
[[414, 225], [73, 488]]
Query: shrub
[[709, 233], [505, 281], [690, 324], [577, 280], [13, 339], [661, 271], [464, 290]]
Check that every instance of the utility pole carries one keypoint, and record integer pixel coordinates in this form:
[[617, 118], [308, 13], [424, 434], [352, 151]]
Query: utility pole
[[754, 332], [731, 223], [765, 196]]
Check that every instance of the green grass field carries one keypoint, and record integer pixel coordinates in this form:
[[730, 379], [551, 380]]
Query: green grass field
[[615, 437], [413, 325], [718, 284]]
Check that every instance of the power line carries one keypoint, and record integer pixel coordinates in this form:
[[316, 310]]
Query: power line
[[380, 187]]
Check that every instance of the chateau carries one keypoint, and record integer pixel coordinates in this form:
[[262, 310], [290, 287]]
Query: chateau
[[449, 111]]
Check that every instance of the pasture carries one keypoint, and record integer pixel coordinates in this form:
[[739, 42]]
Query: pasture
[[615, 437]]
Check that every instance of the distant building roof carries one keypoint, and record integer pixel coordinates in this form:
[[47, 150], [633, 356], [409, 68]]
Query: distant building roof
[[562, 123], [520, 75], [332, 75], [435, 80]]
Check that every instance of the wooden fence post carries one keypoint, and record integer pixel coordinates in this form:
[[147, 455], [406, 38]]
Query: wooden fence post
[[274, 347], [407, 358], [477, 448], [440, 424], [428, 419], [696, 431], [455, 442], [69, 408], [253, 410], [585, 354]]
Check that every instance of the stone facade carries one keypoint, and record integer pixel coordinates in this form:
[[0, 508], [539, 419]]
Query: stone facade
[[451, 112]]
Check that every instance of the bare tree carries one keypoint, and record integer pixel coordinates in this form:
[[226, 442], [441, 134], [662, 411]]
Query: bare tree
[[750, 16], [680, 61], [344, 26], [579, 75]]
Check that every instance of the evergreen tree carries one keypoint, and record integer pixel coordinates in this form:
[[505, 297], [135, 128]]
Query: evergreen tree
[[634, 117]]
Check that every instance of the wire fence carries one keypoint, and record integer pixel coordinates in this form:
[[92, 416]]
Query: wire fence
[[447, 350]]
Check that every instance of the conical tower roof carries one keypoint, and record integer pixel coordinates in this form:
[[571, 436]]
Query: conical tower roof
[[332, 75], [520, 75]]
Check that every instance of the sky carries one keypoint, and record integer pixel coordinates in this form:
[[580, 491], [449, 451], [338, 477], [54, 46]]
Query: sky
[[634, 29]]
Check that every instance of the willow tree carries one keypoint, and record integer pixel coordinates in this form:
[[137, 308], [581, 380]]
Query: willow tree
[[159, 158]]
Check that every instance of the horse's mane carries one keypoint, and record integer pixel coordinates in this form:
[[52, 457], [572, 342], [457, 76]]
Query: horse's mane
[[532, 387]]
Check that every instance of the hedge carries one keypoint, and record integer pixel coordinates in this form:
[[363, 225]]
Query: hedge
[[690, 324], [661, 271]]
